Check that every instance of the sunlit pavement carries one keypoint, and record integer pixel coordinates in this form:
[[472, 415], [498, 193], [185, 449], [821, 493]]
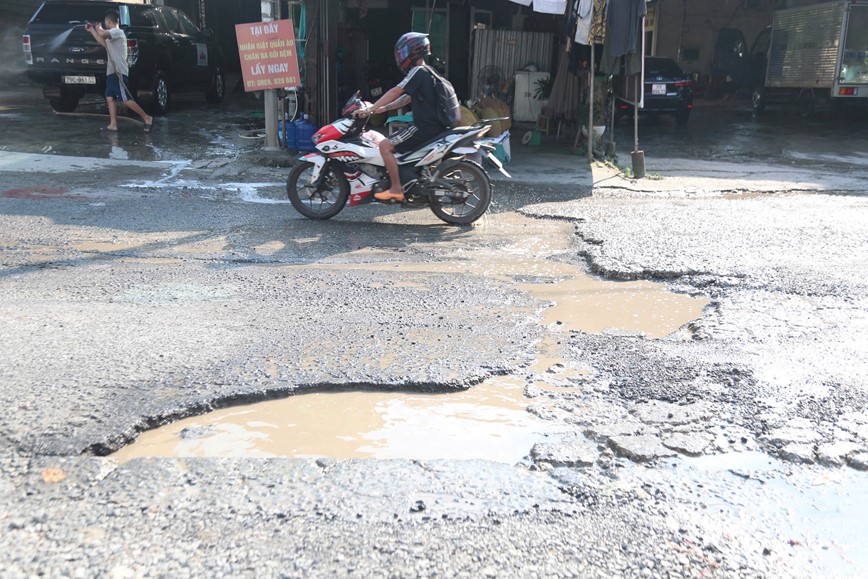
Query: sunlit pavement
[[151, 278]]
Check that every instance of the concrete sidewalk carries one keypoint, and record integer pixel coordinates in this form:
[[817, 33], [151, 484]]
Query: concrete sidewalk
[[545, 165], [672, 176]]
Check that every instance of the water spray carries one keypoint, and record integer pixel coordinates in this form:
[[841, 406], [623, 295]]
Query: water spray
[[63, 36]]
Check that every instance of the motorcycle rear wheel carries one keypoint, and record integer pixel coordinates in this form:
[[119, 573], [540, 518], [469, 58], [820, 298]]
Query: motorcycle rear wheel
[[323, 202], [475, 187]]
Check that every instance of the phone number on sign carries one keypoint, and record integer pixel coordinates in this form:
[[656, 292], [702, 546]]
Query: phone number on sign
[[278, 82]]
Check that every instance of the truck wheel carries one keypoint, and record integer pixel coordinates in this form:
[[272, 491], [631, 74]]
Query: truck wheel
[[806, 104], [758, 100], [217, 90], [162, 97], [66, 103]]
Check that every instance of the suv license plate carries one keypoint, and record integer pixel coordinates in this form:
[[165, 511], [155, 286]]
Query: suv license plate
[[658, 89], [79, 80]]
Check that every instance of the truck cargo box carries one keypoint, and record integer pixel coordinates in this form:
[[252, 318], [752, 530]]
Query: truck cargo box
[[805, 45]]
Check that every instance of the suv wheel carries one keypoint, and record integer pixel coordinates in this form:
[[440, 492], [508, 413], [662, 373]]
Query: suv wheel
[[65, 103], [162, 96], [217, 90]]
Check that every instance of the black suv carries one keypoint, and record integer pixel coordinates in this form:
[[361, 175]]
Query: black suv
[[167, 53]]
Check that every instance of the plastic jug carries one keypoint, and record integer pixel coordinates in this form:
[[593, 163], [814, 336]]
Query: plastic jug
[[304, 133], [291, 135]]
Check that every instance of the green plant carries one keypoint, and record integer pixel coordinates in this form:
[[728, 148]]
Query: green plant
[[624, 170]]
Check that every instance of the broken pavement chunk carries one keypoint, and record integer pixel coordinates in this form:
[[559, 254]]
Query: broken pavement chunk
[[657, 411], [691, 444], [641, 448], [569, 451]]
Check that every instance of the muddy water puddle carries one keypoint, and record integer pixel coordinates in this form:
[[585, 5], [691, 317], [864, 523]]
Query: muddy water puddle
[[489, 421]]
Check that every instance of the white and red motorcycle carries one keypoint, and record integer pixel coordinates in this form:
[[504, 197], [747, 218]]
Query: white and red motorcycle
[[444, 174]]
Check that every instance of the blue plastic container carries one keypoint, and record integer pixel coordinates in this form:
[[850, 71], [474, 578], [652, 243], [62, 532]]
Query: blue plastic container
[[304, 133], [291, 135]]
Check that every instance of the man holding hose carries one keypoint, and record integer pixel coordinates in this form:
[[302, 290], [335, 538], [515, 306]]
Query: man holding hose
[[114, 40]]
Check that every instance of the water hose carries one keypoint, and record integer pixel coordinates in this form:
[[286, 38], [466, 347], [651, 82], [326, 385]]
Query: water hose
[[252, 135], [97, 115]]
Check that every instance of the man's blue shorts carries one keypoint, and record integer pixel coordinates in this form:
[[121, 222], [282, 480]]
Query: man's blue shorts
[[116, 90]]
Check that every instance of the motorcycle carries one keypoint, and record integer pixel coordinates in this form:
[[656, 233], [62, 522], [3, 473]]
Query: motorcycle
[[444, 174]]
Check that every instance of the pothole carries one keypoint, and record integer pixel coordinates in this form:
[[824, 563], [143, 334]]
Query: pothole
[[489, 421]]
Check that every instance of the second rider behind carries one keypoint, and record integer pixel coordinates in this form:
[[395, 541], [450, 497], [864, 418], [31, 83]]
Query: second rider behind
[[416, 88]]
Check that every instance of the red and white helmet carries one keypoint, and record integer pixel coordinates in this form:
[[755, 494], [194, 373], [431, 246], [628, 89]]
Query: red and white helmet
[[410, 48]]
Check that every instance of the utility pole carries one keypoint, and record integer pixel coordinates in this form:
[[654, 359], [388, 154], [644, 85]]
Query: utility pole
[[638, 156], [269, 97]]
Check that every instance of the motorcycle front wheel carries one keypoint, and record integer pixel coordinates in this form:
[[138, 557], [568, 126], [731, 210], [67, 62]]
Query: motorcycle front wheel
[[468, 197], [316, 201]]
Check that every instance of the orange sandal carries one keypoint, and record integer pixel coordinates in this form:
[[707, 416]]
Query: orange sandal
[[389, 197]]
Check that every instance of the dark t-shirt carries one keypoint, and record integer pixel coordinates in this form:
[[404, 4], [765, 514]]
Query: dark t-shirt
[[625, 20], [419, 84]]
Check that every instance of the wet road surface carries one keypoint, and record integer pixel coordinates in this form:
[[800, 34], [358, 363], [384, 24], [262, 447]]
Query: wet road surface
[[732, 133], [147, 288]]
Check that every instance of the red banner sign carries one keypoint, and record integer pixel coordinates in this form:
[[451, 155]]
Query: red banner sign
[[268, 56]]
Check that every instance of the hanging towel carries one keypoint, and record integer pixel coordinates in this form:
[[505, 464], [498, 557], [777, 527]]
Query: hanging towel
[[558, 7], [584, 19], [633, 61], [624, 22]]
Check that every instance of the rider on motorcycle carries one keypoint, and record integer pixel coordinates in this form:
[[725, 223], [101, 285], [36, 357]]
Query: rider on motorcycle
[[418, 88]]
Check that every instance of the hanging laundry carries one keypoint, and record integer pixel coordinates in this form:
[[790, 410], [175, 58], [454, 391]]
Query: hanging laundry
[[558, 7], [584, 19], [623, 23], [522, 2], [598, 26], [607, 63], [633, 61]]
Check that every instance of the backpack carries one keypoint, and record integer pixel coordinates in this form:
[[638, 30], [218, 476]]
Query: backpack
[[446, 107]]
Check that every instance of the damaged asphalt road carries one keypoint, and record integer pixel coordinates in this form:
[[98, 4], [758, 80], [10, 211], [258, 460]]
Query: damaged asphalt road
[[733, 447], [781, 348]]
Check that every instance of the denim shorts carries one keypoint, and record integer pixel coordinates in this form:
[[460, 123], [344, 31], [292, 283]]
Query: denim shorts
[[114, 89]]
